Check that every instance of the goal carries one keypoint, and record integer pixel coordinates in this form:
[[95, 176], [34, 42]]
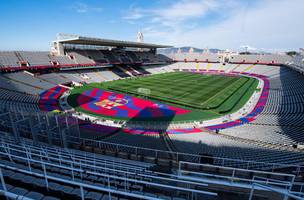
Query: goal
[[144, 91]]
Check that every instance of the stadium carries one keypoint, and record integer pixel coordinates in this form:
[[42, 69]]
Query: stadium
[[95, 118]]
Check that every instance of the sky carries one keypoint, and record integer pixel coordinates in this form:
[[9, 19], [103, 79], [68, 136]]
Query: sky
[[265, 25]]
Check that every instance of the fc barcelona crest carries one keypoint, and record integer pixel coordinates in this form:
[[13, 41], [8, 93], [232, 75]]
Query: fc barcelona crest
[[111, 103]]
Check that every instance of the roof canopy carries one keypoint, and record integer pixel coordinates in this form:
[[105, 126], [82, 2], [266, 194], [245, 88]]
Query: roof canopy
[[80, 40]]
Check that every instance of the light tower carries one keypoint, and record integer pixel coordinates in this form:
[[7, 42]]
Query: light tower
[[140, 37]]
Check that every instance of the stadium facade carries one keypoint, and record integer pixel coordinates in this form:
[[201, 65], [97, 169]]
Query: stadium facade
[[108, 119]]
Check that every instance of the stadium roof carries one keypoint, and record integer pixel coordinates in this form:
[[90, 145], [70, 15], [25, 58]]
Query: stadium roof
[[80, 40]]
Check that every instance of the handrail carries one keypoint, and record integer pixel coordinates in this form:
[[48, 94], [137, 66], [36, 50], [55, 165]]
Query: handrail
[[286, 194], [11, 195], [264, 178], [199, 157], [73, 157], [72, 152], [178, 154], [237, 169], [300, 190], [81, 185], [233, 171], [84, 185], [73, 169], [289, 185], [230, 178], [221, 161]]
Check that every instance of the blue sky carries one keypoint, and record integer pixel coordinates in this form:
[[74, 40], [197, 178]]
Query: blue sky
[[273, 25]]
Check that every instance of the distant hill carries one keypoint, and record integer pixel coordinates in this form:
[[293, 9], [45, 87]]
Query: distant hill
[[184, 50]]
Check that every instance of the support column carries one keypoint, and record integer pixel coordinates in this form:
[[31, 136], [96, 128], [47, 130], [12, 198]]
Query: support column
[[33, 130], [48, 131], [14, 128], [77, 127], [64, 138]]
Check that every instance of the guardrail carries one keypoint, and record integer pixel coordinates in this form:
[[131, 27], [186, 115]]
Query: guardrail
[[194, 158], [38, 159], [285, 193], [11, 195], [236, 175], [82, 186], [179, 156]]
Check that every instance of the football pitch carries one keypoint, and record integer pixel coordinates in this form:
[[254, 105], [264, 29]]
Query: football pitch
[[206, 92], [207, 96]]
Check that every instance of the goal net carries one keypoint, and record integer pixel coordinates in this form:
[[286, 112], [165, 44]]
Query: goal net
[[144, 91]]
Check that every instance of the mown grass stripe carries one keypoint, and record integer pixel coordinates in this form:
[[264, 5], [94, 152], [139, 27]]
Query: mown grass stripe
[[208, 96]]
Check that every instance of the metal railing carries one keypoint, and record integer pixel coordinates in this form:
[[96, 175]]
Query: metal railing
[[180, 156], [65, 164], [10, 195], [236, 175], [286, 194], [82, 186], [80, 157]]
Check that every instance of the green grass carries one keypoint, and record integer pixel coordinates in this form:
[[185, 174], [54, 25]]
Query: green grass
[[208, 96]]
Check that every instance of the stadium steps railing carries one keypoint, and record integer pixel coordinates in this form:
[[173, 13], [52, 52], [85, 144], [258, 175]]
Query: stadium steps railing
[[161, 157], [286, 194], [64, 163], [32, 160], [63, 182], [80, 157], [137, 153], [230, 175], [10, 195]]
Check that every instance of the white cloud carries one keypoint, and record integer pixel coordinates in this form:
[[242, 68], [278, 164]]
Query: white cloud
[[186, 9], [81, 7], [175, 14], [134, 14], [268, 24]]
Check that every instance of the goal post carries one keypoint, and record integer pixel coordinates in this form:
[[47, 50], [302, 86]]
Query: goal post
[[144, 91]]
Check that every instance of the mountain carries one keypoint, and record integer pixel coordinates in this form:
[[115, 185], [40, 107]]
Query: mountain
[[184, 50]]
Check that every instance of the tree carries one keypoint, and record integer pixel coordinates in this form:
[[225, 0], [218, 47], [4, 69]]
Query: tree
[[291, 53]]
